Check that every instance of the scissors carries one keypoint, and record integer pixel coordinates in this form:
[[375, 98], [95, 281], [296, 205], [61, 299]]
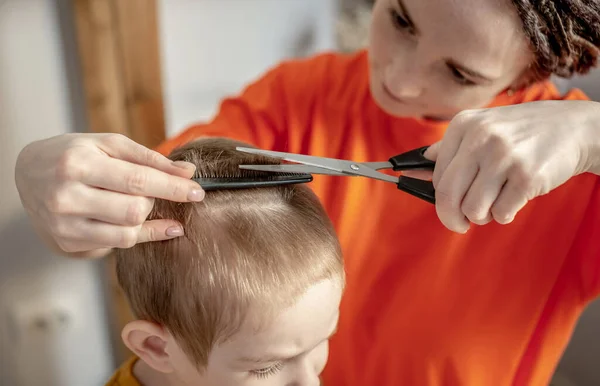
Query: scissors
[[411, 160]]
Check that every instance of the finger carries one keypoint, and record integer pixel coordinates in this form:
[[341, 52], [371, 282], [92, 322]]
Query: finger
[[83, 249], [420, 174], [509, 202], [125, 177], [71, 237], [157, 230], [111, 207], [109, 235], [452, 188], [427, 175], [446, 150], [432, 151], [124, 148], [484, 191], [97, 234]]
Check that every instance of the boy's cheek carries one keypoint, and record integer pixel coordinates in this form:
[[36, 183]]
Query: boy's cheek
[[321, 356]]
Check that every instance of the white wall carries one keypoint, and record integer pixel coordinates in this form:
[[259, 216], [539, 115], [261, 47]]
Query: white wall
[[35, 102], [212, 48]]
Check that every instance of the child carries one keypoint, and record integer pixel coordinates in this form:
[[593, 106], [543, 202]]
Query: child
[[249, 296]]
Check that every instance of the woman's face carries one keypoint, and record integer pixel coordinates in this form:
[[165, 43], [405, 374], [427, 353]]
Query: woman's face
[[435, 58]]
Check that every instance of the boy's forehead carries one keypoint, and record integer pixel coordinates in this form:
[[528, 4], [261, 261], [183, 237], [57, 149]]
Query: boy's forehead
[[290, 332]]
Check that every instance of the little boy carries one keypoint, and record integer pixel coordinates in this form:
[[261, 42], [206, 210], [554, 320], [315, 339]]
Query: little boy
[[249, 296]]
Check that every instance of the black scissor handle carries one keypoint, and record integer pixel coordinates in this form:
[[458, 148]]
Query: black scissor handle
[[419, 188], [413, 160]]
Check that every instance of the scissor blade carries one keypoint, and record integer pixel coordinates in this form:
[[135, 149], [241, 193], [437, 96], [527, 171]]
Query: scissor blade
[[337, 165], [293, 169], [321, 162], [378, 165]]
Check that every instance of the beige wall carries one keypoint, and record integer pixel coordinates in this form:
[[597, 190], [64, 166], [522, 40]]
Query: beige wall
[[35, 102]]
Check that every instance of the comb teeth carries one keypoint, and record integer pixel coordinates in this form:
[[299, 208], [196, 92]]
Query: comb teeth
[[247, 182]]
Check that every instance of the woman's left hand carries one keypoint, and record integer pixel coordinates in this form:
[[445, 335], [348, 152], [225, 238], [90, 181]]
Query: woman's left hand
[[491, 162]]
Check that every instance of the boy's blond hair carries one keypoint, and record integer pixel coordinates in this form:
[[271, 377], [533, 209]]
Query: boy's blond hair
[[259, 248]]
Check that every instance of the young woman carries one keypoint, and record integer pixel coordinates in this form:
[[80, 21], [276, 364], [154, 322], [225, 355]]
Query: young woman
[[485, 288]]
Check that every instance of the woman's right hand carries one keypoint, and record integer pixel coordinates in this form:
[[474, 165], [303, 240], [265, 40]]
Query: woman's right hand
[[89, 193]]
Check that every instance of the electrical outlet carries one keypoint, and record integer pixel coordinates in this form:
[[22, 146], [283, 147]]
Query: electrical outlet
[[38, 317], [38, 329]]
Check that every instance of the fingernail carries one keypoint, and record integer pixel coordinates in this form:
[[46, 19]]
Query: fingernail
[[183, 165], [174, 231], [508, 220], [196, 195]]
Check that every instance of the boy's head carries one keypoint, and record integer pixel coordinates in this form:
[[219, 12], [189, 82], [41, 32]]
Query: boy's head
[[250, 294]]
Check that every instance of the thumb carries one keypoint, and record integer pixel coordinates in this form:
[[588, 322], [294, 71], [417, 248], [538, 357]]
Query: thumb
[[426, 175], [432, 151], [431, 154], [158, 230]]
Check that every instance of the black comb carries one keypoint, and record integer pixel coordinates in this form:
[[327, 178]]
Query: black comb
[[259, 181]]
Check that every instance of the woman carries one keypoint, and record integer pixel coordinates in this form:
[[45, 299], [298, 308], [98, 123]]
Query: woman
[[432, 298]]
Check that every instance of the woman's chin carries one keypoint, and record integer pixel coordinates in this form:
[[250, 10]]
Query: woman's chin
[[395, 108], [405, 109]]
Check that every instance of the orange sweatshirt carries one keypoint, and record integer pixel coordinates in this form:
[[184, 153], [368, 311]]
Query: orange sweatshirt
[[424, 306]]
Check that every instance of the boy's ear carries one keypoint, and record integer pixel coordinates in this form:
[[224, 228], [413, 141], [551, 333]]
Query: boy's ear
[[149, 342]]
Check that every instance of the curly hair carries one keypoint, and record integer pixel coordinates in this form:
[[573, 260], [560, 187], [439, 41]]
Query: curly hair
[[564, 36]]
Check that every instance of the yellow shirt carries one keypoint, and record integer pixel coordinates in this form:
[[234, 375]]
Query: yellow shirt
[[124, 375]]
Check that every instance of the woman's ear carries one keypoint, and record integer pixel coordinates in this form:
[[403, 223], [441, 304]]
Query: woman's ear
[[149, 342]]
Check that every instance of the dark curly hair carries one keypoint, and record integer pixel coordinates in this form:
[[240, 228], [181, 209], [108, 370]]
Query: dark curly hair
[[564, 36]]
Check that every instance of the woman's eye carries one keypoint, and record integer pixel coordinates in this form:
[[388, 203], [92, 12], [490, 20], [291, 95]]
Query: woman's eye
[[267, 371], [460, 78], [400, 22]]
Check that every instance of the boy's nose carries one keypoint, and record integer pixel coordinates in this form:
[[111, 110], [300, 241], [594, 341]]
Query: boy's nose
[[313, 381], [306, 375]]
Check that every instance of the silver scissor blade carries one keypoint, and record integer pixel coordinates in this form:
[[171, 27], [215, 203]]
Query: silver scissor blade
[[321, 162], [341, 166], [294, 169], [378, 165]]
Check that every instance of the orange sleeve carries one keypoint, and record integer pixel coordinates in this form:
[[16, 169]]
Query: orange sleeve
[[547, 91], [269, 111], [575, 94], [587, 247]]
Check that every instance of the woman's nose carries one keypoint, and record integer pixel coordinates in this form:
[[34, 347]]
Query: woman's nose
[[403, 79]]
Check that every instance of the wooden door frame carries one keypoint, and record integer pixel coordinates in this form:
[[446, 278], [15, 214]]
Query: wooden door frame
[[119, 57]]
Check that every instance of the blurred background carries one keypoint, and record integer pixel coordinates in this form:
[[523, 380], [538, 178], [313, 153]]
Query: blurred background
[[91, 65]]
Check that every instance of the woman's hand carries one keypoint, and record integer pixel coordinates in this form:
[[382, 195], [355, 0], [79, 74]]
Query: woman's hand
[[491, 162], [88, 193]]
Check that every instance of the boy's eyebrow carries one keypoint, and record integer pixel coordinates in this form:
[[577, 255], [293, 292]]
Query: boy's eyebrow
[[262, 360], [272, 359]]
